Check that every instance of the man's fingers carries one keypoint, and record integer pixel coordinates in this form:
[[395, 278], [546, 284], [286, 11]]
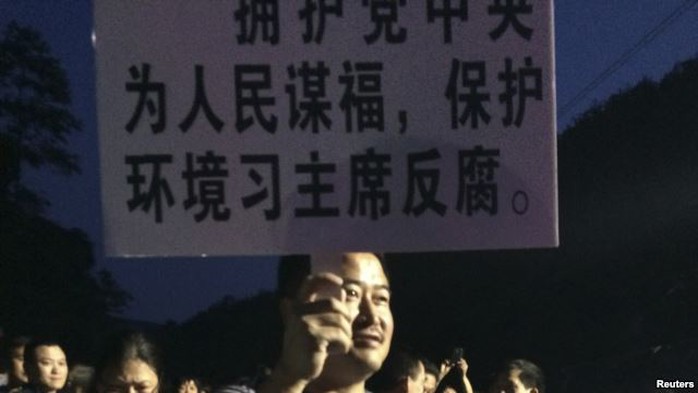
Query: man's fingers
[[330, 319], [322, 312], [321, 286], [331, 339], [327, 332], [322, 306]]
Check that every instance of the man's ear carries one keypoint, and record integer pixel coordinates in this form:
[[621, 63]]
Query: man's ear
[[534, 390]]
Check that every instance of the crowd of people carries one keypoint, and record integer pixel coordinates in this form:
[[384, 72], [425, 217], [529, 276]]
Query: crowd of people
[[338, 337]]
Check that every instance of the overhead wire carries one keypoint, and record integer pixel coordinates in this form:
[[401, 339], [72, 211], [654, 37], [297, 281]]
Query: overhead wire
[[645, 40]]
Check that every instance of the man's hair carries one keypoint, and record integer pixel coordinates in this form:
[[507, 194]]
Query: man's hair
[[430, 367], [128, 345], [399, 365], [531, 375], [185, 378], [293, 269], [31, 346]]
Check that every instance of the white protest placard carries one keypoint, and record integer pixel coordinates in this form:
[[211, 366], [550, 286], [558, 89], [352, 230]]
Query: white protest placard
[[232, 127]]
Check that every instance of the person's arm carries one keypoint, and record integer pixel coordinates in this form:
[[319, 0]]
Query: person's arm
[[313, 325], [444, 368], [463, 365]]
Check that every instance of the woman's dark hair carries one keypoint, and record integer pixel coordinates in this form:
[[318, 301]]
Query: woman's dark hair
[[125, 346], [531, 375]]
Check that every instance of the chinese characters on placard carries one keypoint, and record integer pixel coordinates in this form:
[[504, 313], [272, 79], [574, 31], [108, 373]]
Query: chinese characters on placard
[[206, 177], [470, 101], [361, 104], [258, 20]]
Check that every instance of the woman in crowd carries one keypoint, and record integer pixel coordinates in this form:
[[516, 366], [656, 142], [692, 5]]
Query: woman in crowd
[[130, 363]]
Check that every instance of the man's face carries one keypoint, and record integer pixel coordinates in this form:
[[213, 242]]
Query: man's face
[[510, 383], [416, 384], [368, 299], [429, 383], [51, 369], [17, 365]]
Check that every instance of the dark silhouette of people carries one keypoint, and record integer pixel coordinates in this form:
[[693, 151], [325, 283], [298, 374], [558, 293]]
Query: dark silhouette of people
[[454, 377], [13, 358], [518, 376], [402, 372]]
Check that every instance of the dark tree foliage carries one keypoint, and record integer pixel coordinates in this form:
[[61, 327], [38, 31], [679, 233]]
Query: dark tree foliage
[[47, 284], [230, 341], [617, 300], [35, 115]]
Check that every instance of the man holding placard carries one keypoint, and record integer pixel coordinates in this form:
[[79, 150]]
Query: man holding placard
[[338, 324]]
